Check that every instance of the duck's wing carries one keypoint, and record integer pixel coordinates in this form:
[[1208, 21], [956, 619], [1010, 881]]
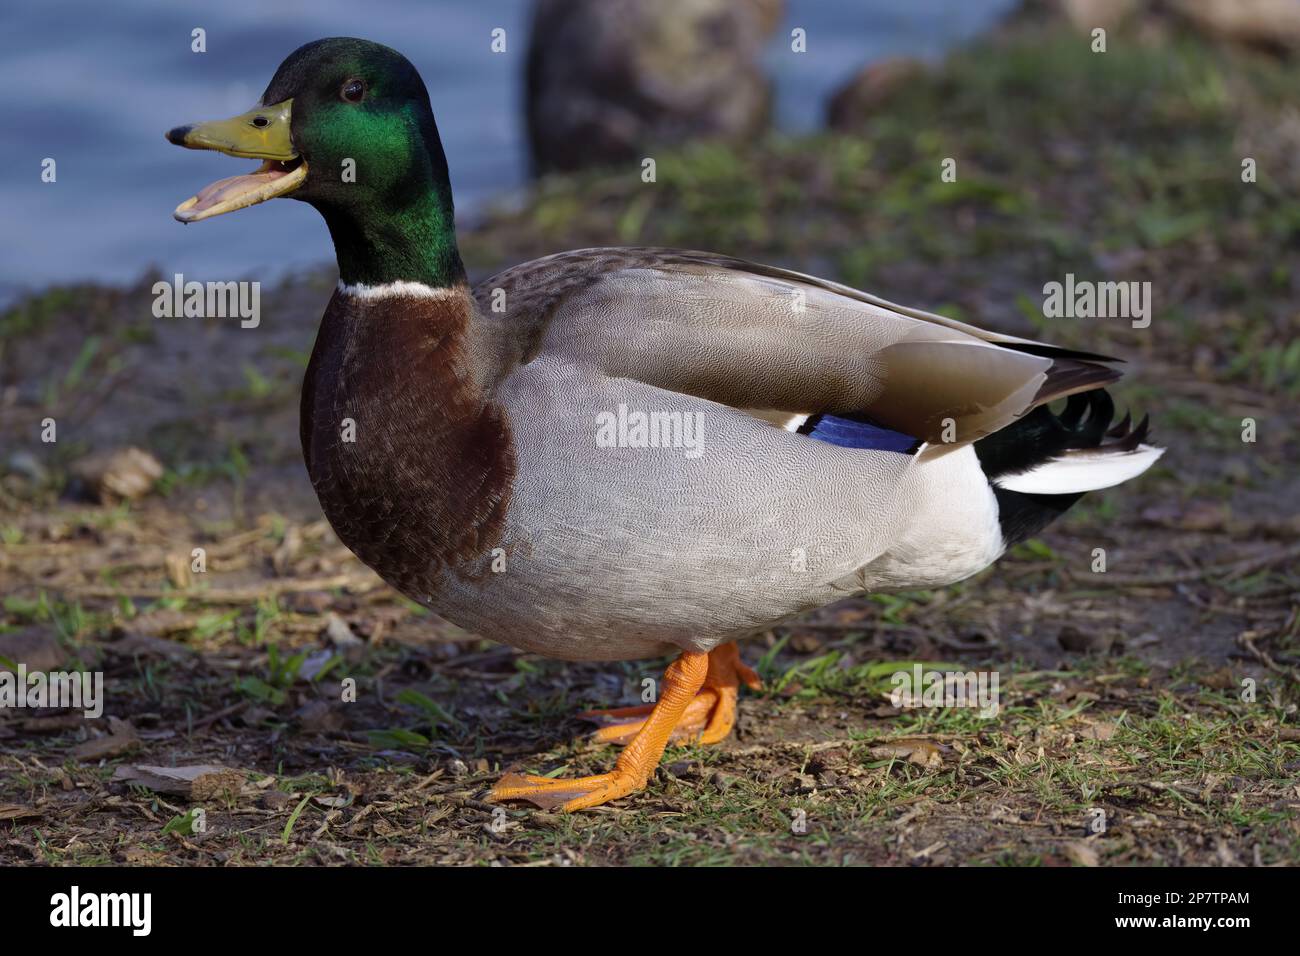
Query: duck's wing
[[779, 344]]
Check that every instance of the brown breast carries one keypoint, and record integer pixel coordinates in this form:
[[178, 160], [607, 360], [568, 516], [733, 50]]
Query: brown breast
[[412, 461]]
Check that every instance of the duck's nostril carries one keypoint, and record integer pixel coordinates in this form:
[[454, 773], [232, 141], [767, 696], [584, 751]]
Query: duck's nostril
[[261, 122]]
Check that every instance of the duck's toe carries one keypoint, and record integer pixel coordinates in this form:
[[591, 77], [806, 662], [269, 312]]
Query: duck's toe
[[682, 681], [580, 793]]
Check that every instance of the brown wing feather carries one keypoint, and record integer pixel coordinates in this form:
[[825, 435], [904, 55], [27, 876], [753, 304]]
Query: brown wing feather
[[723, 329]]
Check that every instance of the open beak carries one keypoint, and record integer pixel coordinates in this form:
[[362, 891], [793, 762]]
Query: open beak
[[258, 134]]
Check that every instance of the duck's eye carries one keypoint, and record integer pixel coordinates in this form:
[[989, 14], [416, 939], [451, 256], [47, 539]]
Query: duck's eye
[[353, 90]]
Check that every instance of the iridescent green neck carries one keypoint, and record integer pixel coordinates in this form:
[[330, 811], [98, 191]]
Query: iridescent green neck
[[393, 220], [411, 241]]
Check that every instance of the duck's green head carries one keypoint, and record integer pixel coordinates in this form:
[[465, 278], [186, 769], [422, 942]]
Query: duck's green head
[[346, 126]]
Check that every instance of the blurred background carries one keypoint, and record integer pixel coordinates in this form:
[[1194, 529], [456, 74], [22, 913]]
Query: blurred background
[[98, 97]]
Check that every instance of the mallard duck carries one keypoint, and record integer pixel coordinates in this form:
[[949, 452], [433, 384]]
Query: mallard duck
[[624, 453]]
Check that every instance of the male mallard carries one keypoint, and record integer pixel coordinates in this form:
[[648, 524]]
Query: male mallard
[[613, 454]]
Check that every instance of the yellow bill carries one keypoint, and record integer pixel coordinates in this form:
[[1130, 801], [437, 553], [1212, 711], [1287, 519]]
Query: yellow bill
[[261, 133]]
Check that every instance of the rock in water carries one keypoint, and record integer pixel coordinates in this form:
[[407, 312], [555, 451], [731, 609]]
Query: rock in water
[[1272, 24], [870, 90], [1268, 23], [1087, 15], [608, 80]]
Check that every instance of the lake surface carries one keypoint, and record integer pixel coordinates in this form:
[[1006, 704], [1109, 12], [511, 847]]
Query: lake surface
[[95, 85]]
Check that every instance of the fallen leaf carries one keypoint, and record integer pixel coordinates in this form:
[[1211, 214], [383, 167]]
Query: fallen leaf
[[337, 630], [177, 565], [34, 647], [1098, 730], [44, 725], [126, 473], [922, 753], [1220, 679], [275, 799], [287, 551], [121, 738], [138, 856], [805, 642], [201, 782]]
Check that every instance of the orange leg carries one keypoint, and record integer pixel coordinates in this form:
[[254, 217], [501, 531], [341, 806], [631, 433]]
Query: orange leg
[[708, 718], [684, 677], [698, 700]]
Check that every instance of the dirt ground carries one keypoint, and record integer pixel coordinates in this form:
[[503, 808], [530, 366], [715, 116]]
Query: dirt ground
[[1148, 710]]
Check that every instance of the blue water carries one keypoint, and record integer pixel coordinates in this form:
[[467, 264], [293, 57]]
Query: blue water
[[94, 85]]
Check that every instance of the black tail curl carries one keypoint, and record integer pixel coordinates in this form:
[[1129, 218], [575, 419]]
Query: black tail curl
[[1083, 425]]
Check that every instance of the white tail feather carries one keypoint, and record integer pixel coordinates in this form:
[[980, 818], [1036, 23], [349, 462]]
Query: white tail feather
[[1081, 471]]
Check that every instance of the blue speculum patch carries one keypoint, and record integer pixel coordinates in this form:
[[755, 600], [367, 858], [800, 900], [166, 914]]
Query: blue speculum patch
[[854, 433]]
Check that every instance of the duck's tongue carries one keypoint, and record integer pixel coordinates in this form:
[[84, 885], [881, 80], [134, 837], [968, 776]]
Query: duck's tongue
[[269, 180]]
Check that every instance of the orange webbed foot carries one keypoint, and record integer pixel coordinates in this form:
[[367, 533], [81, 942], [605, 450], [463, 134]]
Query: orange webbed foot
[[575, 793], [698, 702]]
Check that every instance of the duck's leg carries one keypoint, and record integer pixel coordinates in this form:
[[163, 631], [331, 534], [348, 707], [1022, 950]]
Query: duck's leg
[[708, 718], [726, 673], [682, 681]]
